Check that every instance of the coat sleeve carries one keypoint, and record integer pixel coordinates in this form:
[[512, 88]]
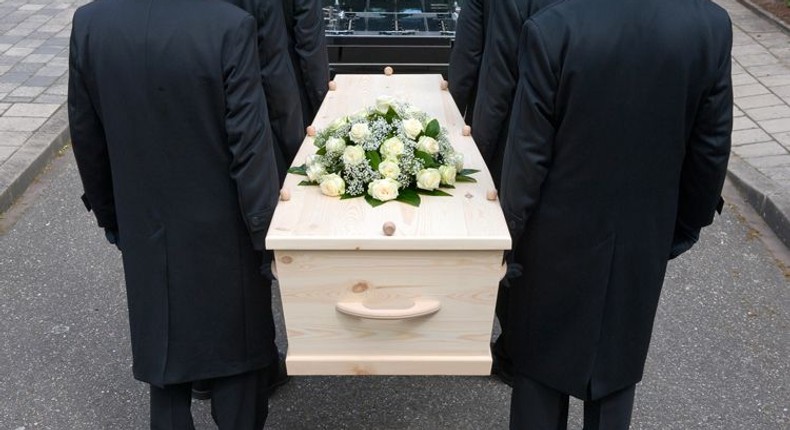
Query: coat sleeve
[[707, 151], [279, 81], [310, 46], [528, 154], [466, 54], [499, 77], [252, 167], [89, 141]]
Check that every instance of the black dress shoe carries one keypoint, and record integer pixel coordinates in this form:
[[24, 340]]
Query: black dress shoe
[[502, 371]]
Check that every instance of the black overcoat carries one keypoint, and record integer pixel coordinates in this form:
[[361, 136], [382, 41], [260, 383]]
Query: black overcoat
[[620, 129], [168, 124], [498, 79], [279, 79], [467, 52], [304, 20]]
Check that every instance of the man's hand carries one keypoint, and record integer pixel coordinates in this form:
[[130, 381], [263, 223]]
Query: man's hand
[[685, 237], [113, 237]]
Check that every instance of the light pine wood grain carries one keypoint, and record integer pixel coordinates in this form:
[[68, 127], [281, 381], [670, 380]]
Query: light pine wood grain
[[312, 283], [468, 220]]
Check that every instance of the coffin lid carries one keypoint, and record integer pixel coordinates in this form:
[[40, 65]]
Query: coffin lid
[[467, 220]]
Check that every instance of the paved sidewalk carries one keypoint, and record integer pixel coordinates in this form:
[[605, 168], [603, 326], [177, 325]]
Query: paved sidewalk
[[33, 84]]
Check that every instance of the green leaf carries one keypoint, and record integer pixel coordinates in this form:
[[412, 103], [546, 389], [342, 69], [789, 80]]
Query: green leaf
[[308, 183], [390, 115], [321, 151], [427, 159], [467, 172], [447, 186], [433, 129], [375, 159], [464, 178], [298, 170], [437, 193], [409, 196], [349, 196], [373, 202]]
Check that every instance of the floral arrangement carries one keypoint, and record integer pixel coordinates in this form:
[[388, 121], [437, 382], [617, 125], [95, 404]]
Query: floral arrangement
[[390, 151]]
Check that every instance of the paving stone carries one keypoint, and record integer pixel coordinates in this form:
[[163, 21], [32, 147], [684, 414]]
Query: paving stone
[[24, 91], [763, 100], [16, 31], [20, 124], [749, 90], [15, 78], [751, 60], [50, 99], [737, 69], [771, 112], [6, 152], [760, 150], [3, 108], [772, 40], [776, 125], [32, 7], [736, 112], [7, 87], [745, 137], [769, 70], [755, 24], [750, 48], [743, 79], [13, 138], [776, 80], [18, 52], [55, 71], [770, 161], [32, 110], [16, 99], [61, 90], [25, 68], [743, 123], [781, 91], [29, 43], [40, 81], [783, 139], [38, 58]]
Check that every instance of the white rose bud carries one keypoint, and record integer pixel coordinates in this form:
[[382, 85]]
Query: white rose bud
[[312, 159], [359, 132], [412, 127], [383, 104], [336, 124], [428, 144], [389, 169], [429, 179], [384, 189], [333, 185], [335, 144], [448, 174], [457, 159], [353, 155], [315, 172], [391, 148]]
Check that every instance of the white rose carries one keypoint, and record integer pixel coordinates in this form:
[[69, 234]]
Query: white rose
[[457, 159], [335, 144], [391, 148], [412, 110], [428, 144], [338, 123], [384, 189], [383, 104], [448, 174], [332, 185], [312, 159], [353, 155], [359, 132], [389, 169], [315, 172], [412, 127], [429, 179]]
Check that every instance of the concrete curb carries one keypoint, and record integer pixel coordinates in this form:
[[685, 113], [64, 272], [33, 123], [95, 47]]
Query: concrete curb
[[769, 199], [765, 14], [19, 171]]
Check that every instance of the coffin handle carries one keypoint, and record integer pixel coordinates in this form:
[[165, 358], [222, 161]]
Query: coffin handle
[[420, 307]]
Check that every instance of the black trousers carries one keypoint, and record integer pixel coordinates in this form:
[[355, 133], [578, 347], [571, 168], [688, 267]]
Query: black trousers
[[535, 406], [500, 349], [239, 402]]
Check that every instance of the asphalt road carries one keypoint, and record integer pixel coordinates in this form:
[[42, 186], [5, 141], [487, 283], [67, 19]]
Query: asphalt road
[[719, 357]]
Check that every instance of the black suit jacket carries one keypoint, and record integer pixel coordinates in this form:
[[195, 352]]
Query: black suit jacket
[[464, 68], [304, 21], [169, 127], [279, 79], [620, 130], [498, 78]]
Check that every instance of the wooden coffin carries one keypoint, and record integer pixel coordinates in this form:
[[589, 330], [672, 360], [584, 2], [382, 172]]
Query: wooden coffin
[[419, 302]]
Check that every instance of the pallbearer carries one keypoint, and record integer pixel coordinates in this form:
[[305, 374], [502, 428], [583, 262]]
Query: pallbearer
[[304, 21], [169, 126], [616, 157], [464, 69]]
